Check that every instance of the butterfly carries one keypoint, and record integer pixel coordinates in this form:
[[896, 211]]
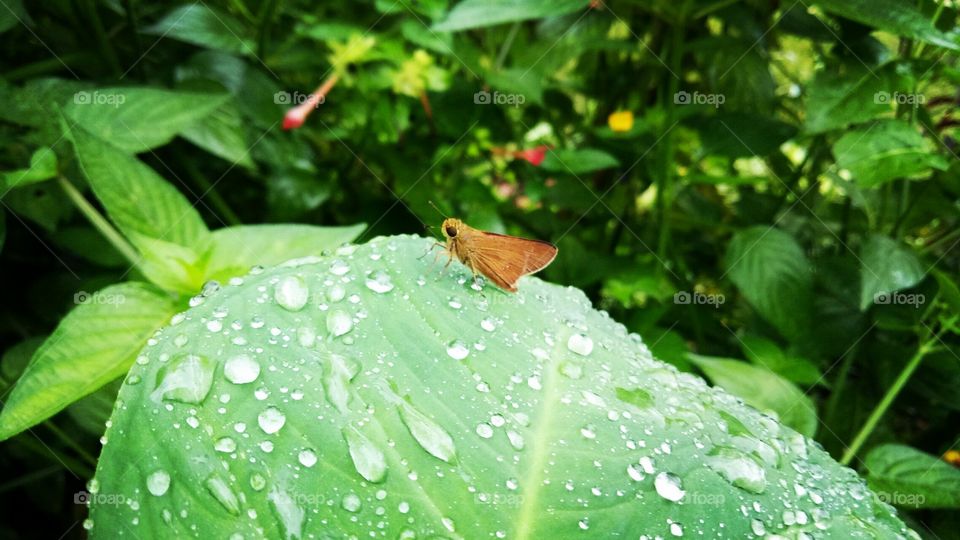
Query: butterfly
[[503, 259]]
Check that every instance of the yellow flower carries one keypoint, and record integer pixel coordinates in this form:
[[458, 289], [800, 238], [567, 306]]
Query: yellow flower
[[952, 457], [620, 121]]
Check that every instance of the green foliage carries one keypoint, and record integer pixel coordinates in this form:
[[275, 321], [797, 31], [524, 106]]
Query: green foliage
[[769, 187], [353, 390], [915, 478]]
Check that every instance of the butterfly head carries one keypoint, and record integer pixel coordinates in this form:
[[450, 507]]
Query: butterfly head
[[451, 227]]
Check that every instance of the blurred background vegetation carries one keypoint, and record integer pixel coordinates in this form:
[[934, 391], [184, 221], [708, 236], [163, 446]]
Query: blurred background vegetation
[[765, 191]]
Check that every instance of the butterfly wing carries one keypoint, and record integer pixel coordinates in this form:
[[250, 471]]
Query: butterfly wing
[[504, 259]]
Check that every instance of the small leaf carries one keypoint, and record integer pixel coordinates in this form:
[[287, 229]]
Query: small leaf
[[43, 166], [904, 476], [94, 344], [235, 249], [138, 119], [765, 353], [136, 198], [762, 389], [578, 161], [886, 267], [885, 151], [771, 270], [480, 13], [223, 134], [170, 266], [894, 16], [202, 25]]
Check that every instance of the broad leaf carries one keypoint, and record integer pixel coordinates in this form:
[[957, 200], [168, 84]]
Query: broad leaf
[[234, 250], [762, 389], [480, 13], [886, 267], [171, 266], [138, 119], [223, 135], [904, 476], [773, 274], [94, 344], [835, 101], [884, 151], [578, 161], [137, 199], [898, 17], [364, 389], [199, 24]]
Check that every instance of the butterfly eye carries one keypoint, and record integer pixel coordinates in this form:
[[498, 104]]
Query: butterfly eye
[[451, 231]]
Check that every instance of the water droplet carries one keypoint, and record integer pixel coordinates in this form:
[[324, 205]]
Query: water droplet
[[291, 293], [336, 382], [488, 324], [455, 303], [738, 468], [368, 460], [380, 283], [225, 444], [428, 434], [290, 515], [241, 369], [668, 486], [484, 430], [307, 457], [756, 526], [221, 491], [338, 267], [516, 440], [88, 524], [271, 420], [339, 322], [572, 370], [187, 378], [158, 482], [580, 344], [634, 473], [257, 481], [351, 502], [457, 350], [676, 529], [588, 432], [214, 325]]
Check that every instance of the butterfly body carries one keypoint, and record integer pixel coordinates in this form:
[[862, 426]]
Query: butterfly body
[[501, 258]]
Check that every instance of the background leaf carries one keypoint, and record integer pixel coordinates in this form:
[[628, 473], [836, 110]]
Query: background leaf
[[479, 13], [886, 267], [762, 389], [94, 344], [205, 26], [885, 151], [568, 161], [901, 18], [905, 476]]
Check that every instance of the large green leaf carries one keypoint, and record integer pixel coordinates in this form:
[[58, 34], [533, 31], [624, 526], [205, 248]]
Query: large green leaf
[[885, 151], [199, 24], [137, 119], [365, 391], [836, 100], [886, 267], [234, 250], [137, 199], [905, 476], [480, 13], [773, 274], [762, 389], [899, 17], [766, 353], [94, 344]]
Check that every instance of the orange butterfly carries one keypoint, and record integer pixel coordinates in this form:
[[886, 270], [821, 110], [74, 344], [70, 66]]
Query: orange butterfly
[[501, 258]]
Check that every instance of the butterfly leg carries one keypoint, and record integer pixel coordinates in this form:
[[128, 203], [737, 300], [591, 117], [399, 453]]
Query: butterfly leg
[[431, 248]]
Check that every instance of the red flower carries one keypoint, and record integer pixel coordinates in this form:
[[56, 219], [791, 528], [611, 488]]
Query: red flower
[[534, 155]]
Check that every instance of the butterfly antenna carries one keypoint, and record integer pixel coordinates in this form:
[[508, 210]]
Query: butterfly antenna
[[437, 209]]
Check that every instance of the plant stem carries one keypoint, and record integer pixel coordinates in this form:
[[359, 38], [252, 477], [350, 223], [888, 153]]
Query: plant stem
[[665, 178], [507, 43], [889, 397], [103, 42], [263, 30], [100, 223]]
